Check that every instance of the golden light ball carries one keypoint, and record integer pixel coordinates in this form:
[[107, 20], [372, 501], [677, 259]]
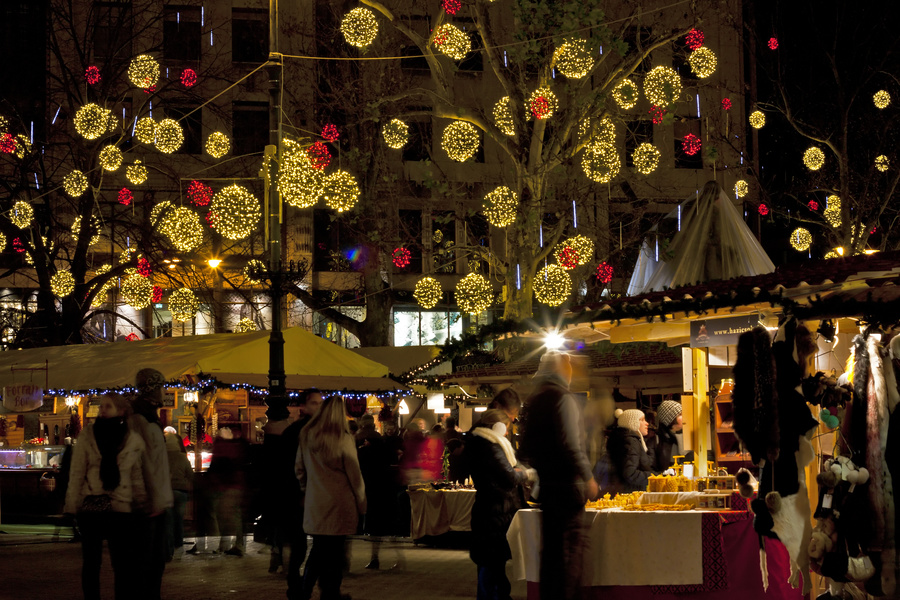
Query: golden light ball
[[93, 229], [75, 183], [460, 140], [136, 173], [601, 162], [573, 59], [662, 86], [395, 133], [702, 62], [500, 206], [183, 304], [136, 291], [882, 163], [299, 183], [741, 188], [91, 121], [23, 146], [160, 217], [625, 94], [143, 71], [2, 242], [881, 99], [451, 41], [646, 158], [254, 271], [428, 292], [110, 158], [757, 119], [169, 136], [21, 214], [341, 192], [359, 27], [62, 283], [542, 103], [217, 144], [552, 285], [813, 158], [245, 325], [833, 216], [503, 116], [183, 228], [474, 294], [145, 130], [100, 296], [237, 212], [801, 239], [582, 245]]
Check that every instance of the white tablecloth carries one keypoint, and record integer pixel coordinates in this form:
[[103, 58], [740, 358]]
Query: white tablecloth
[[626, 548], [434, 512], [691, 498]]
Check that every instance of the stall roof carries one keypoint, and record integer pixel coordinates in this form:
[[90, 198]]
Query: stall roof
[[231, 358]]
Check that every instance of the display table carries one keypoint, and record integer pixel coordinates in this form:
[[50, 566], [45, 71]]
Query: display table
[[661, 555], [434, 512]]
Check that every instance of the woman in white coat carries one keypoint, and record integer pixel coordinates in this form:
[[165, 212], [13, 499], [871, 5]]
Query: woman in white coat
[[328, 470], [106, 488]]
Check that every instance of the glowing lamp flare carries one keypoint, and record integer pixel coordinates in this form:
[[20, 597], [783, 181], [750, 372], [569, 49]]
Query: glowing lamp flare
[[360, 27], [401, 257], [690, 144], [604, 272], [801, 239], [552, 285], [693, 39], [92, 75], [428, 292]]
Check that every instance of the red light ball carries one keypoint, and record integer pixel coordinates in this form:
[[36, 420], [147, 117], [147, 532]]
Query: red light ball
[[401, 257], [726, 103], [763, 209], [694, 39], [92, 75], [125, 196], [691, 144], [188, 78], [604, 273], [319, 156], [330, 132]]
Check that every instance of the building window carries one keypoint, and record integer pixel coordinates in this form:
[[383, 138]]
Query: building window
[[249, 35], [415, 327], [181, 33], [191, 121], [419, 145], [250, 127], [112, 30], [683, 127], [636, 133]]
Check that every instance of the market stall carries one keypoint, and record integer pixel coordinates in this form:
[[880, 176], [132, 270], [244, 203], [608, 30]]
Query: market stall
[[435, 512]]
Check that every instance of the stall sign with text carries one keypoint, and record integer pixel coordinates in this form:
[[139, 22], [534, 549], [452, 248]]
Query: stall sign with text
[[23, 398], [720, 332]]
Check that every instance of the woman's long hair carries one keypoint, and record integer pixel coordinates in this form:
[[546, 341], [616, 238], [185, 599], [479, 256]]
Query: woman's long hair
[[322, 435]]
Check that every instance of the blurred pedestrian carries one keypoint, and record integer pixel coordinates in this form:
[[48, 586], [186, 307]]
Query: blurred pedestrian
[[375, 460], [106, 487], [182, 477], [227, 476], [553, 442], [329, 474]]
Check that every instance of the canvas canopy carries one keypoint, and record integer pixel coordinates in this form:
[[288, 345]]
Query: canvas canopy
[[310, 361]]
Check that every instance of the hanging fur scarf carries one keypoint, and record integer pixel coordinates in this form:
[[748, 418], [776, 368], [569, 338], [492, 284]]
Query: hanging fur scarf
[[754, 399]]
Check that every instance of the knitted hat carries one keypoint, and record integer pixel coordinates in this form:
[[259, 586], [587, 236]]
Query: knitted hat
[[629, 419], [555, 363], [667, 412]]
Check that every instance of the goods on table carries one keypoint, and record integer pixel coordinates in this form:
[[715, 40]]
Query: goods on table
[[620, 501], [657, 506]]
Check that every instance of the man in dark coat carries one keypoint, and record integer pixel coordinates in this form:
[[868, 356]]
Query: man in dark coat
[[553, 442]]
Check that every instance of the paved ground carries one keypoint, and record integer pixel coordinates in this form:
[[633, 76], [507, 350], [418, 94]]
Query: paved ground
[[37, 564]]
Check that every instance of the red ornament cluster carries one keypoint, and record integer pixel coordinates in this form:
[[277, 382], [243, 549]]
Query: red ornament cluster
[[568, 257], [18, 245], [199, 193], [319, 156], [726, 103], [451, 7], [132, 337], [143, 267], [330, 132], [773, 43], [694, 39], [92, 75], [763, 209], [540, 107], [125, 196], [7, 144], [212, 219], [873, 230], [150, 89], [658, 113], [604, 273], [156, 295], [401, 257], [813, 205], [440, 38], [691, 144], [189, 78]]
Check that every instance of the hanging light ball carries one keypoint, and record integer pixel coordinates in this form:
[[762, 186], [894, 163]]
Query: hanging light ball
[[100, 296], [567, 257], [763, 209], [552, 285], [359, 27], [625, 94], [542, 103], [319, 156], [573, 59], [237, 212], [832, 216], [93, 229], [499, 206], [801, 239], [452, 41], [693, 39], [299, 183], [460, 140], [881, 99], [254, 271], [503, 117], [582, 245], [813, 158], [183, 304], [726, 103], [91, 121], [703, 62], [21, 214], [62, 283], [199, 193], [882, 163], [136, 173], [833, 202], [836, 253], [169, 136], [155, 297], [601, 162], [2, 242], [145, 130], [658, 114], [136, 291], [401, 257], [604, 272], [645, 158], [690, 144], [218, 144], [773, 43], [92, 75], [8, 143], [474, 294], [183, 228], [245, 325], [23, 146], [159, 216], [428, 292], [662, 86], [757, 119], [395, 133], [110, 158], [340, 190], [741, 188], [143, 71], [143, 267], [330, 132], [75, 183]]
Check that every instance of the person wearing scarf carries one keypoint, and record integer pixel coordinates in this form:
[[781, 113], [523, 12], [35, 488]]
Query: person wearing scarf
[[497, 475], [628, 451], [106, 488]]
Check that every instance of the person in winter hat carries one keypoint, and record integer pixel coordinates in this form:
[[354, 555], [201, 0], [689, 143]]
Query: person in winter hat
[[628, 451], [669, 423]]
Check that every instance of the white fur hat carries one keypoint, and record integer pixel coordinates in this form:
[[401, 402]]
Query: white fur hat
[[629, 419]]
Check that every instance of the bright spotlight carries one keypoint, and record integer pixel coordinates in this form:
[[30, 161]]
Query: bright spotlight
[[554, 341]]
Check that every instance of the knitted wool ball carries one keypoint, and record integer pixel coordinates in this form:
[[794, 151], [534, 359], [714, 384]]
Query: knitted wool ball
[[629, 419], [668, 411]]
